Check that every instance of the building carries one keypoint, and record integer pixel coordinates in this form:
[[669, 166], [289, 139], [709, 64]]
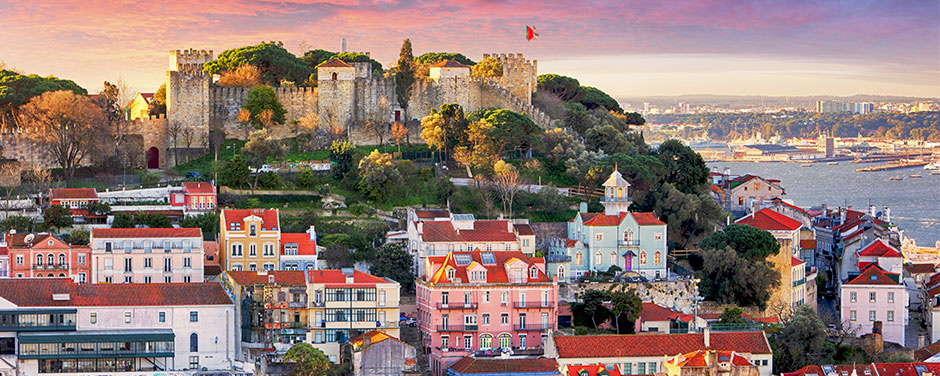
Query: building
[[270, 311], [250, 239], [77, 200], [473, 366], [45, 256], [710, 362], [875, 296], [598, 241], [299, 251], [345, 304], [659, 319], [147, 255], [448, 69], [197, 197], [787, 233], [378, 354], [58, 326], [593, 370], [643, 354], [4, 257], [139, 107], [873, 369], [744, 192], [484, 303], [187, 199], [880, 253]]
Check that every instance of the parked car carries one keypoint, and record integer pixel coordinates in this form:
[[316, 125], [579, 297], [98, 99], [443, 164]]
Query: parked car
[[193, 175], [266, 168], [407, 321]]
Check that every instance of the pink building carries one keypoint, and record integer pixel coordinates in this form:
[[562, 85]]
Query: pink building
[[484, 303], [875, 296], [194, 197]]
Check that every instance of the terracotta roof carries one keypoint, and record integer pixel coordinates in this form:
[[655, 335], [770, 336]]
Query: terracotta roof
[[603, 219], [72, 193], [255, 277], [873, 275], [18, 240], [933, 280], [448, 63], [862, 265], [471, 365], [926, 352], [305, 246], [110, 233], [334, 276], [647, 219], [432, 213], [375, 336], [35, 292], [495, 272], [717, 189], [334, 63], [882, 369], [636, 345], [523, 229], [483, 231], [700, 359], [655, 312], [808, 243], [198, 187], [878, 248], [795, 261], [928, 268], [592, 370], [791, 206], [212, 265], [269, 217], [905, 369], [570, 242], [767, 219]]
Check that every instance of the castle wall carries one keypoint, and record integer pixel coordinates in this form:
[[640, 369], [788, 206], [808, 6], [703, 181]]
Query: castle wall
[[18, 146], [520, 76], [188, 98]]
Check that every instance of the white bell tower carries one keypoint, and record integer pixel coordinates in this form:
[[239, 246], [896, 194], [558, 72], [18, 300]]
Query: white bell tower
[[616, 194]]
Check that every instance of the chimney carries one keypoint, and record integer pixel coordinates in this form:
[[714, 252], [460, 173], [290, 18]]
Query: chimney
[[841, 215], [871, 210], [707, 333], [420, 227], [825, 210], [509, 226], [313, 233], [887, 214]]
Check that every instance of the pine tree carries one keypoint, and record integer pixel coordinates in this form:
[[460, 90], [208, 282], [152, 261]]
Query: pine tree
[[405, 74]]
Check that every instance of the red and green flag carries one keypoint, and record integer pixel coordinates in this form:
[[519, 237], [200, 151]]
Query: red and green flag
[[531, 33]]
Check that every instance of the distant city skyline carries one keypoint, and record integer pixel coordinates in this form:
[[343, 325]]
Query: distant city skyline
[[626, 48]]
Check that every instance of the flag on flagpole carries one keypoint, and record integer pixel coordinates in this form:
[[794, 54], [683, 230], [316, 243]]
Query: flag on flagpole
[[531, 33]]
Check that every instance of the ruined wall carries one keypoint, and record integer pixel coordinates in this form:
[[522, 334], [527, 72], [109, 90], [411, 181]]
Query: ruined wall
[[676, 295]]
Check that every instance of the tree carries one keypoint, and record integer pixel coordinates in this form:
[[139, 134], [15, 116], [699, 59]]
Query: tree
[[245, 75], [487, 68], [78, 237], [16, 222], [437, 57], [154, 220], [732, 315], [399, 132], [690, 217], [685, 168], [64, 124], [274, 62], [566, 88], [404, 74], [749, 242], [124, 220], [99, 208], [378, 175], [559, 145], [308, 360], [264, 107], [595, 98], [394, 262], [207, 222], [591, 309], [57, 217], [801, 342], [625, 307], [506, 179], [433, 131], [158, 104], [605, 138], [513, 129], [16, 89], [258, 149], [10, 179], [235, 173], [729, 279], [341, 156]]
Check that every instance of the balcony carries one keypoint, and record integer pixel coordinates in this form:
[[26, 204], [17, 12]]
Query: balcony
[[456, 328], [532, 327], [629, 243], [533, 305], [471, 305], [50, 266], [799, 282], [529, 351], [557, 258]]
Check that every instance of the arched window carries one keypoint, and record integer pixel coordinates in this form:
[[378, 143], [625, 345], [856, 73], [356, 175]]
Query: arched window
[[252, 230], [577, 258], [61, 275], [561, 272], [505, 341], [193, 342], [533, 273], [61, 259], [50, 259], [598, 258], [334, 76], [613, 258], [658, 258], [619, 193], [642, 257], [39, 259], [628, 236], [486, 341]]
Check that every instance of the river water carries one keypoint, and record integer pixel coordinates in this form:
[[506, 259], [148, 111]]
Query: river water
[[914, 202]]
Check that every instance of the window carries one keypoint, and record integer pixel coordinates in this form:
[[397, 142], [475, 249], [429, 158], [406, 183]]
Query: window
[[127, 317], [93, 318], [467, 342], [852, 315], [658, 258], [167, 265], [486, 341], [627, 368], [486, 297], [237, 249], [504, 318], [61, 259], [561, 273], [108, 263], [19, 259], [522, 338], [853, 296], [382, 298], [252, 250], [533, 273], [39, 259], [128, 265], [598, 258], [641, 368], [642, 257], [167, 279], [505, 341], [333, 77], [486, 319], [269, 249], [148, 279], [108, 279], [253, 267], [187, 279], [599, 237], [162, 316], [444, 339], [193, 316], [167, 246], [193, 342], [651, 367], [451, 273], [128, 279], [756, 186], [82, 278], [891, 297], [81, 259], [187, 262], [194, 361], [872, 316], [268, 266], [445, 296], [50, 259], [505, 297], [871, 297], [148, 263], [577, 258]]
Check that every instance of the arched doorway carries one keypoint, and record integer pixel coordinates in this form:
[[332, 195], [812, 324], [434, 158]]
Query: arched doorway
[[153, 158]]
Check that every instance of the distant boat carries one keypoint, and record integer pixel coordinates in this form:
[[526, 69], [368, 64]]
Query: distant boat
[[935, 172], [914, 176], [806, 165], [832, 163], [895, 178], [933, 166]]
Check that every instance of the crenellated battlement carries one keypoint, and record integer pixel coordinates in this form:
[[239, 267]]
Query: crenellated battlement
[[182, 58]]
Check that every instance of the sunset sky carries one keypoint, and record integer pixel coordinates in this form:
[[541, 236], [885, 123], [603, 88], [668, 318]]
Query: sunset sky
[[627, 48]]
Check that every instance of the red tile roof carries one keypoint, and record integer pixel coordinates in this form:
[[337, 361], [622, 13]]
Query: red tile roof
[[73, 194], [926, 352], [873, 275], [808, 243], [110, 233], [928, 268], [879, 369], [448, 63], [432, 213], [655, 312], [258, 277], [305, 246], [334, 63], [375, 336], [700, 359], [570, 242], [878, 248], [597, 219], [212, 266], [38, 293], [198, 187], [635, 345], [495, 273], [791, 206], [795, 261], [336, 277], [717, 189], [523, 229], [483, 231], [647, 219], [767, 219], [592, 370], [18, 240], [471, 365], [269, 217]]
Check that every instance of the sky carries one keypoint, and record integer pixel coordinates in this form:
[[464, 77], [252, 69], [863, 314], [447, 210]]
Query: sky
[[627, 48]]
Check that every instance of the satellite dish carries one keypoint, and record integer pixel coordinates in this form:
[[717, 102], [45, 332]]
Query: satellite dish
[[29, 238]]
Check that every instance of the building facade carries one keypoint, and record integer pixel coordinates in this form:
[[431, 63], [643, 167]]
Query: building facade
[[375, 353], [300, 251], [786, 231], [875, 296], [147, 255], [250, 239], [45, 256], [484, 303]]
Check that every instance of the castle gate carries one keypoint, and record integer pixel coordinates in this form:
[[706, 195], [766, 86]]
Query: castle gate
[[153, 158]]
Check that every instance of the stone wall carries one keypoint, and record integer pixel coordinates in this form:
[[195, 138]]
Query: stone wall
[[520, 76], [676, 295], [20, 147]]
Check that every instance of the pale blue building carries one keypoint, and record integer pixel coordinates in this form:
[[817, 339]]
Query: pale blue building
[[596, 241]]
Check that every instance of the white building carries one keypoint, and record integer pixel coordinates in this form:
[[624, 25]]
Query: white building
[[55, 326]]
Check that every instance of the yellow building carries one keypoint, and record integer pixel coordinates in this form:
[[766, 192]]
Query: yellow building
[[344, 304], [139, 108], [250, 239], [791, 293]]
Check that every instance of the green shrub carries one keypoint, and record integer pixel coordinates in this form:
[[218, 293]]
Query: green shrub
[[270, 179], [149, 178]]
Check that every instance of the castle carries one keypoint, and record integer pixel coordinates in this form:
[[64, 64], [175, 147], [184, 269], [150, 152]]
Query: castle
[[346, 95]]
